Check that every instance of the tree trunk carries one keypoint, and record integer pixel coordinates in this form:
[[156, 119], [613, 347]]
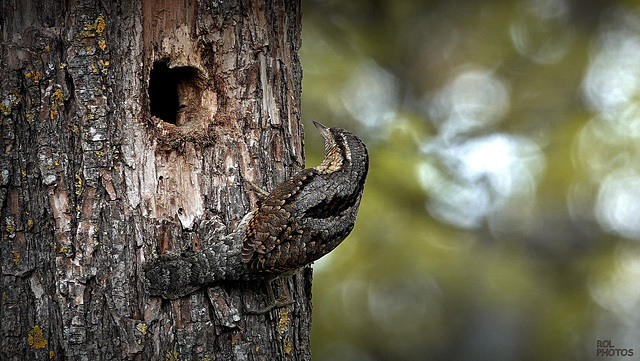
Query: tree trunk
[[128, 131]]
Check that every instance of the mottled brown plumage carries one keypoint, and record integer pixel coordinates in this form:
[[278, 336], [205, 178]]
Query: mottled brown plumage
[[309, 214]]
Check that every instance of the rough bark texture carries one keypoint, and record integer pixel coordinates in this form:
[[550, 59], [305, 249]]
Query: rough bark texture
[[92, 186]]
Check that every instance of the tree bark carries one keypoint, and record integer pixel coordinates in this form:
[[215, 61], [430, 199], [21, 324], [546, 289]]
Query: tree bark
[[128, 130]]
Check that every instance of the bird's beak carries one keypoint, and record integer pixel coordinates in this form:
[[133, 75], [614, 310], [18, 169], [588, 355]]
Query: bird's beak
[[326, 134]]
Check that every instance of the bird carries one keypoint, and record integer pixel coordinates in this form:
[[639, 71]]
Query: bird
[[308, 215]]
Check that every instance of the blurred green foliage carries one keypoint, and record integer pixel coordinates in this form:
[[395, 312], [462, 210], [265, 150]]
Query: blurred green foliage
[[501, 216]]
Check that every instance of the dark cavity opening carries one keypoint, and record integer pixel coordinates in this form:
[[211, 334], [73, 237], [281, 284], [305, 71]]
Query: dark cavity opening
[[172, 92], [163, 92]]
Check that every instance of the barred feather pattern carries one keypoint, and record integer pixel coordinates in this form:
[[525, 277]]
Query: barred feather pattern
[[311, 213]]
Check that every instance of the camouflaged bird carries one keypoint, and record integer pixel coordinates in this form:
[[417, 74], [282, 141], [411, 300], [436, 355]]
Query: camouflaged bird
[[309, 214]]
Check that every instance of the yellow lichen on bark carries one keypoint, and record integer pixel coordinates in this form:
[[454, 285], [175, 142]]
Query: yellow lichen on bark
[[16, 257], [283, 326], [97, 28], [36, 339]]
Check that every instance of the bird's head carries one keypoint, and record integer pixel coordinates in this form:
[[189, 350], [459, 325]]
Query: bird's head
[[336, 149]]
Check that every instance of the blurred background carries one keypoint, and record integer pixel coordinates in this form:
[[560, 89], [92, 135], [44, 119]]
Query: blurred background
[[501, 215]]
